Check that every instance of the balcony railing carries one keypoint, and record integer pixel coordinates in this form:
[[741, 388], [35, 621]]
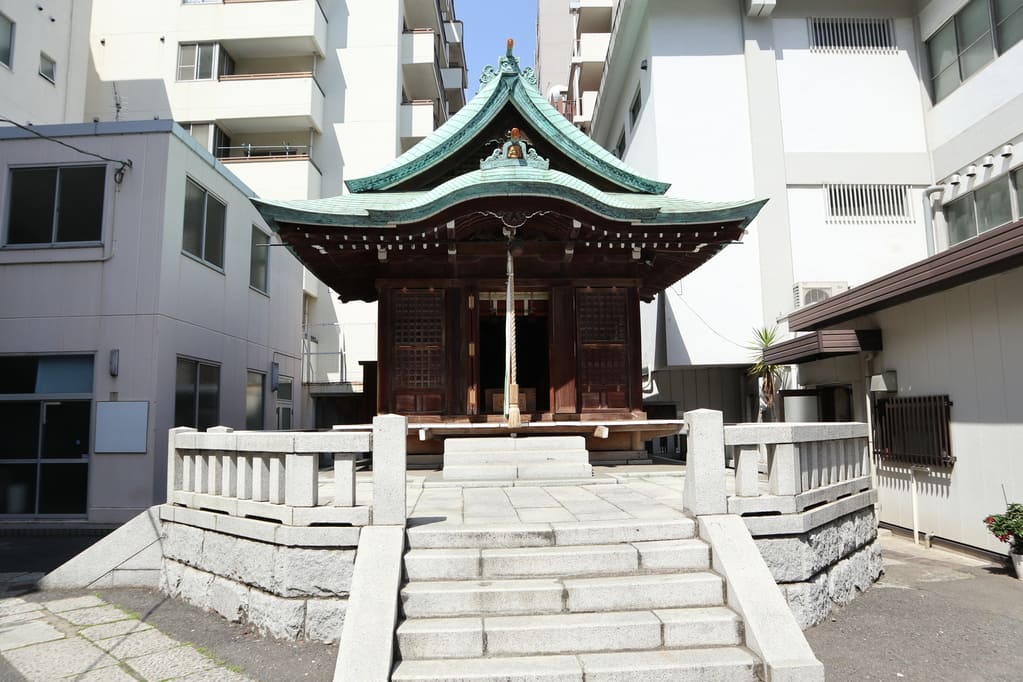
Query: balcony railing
[[245, 152]]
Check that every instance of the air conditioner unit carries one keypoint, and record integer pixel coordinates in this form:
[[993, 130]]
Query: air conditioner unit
[[808, 293]]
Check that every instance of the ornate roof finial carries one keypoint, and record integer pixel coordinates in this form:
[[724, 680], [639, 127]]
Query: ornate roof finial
[[508, 65], [515, 152], [511, 45]]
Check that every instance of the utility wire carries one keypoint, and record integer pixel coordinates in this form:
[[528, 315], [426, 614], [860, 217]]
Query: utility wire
[[118, 174], [705, 323]]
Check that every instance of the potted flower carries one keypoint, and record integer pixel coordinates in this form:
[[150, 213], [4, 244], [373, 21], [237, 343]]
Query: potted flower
[[1008, 527]]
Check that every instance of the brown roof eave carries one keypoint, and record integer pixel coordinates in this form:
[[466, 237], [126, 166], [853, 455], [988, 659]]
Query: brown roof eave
[[993, 252], [823, 344]]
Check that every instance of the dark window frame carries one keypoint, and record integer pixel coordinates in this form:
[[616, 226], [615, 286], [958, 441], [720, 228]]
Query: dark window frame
[[9, 62], [204, 228], [992, 33], [56, 207], [199, 365], [914, 430], [259, 249], [48, 67]]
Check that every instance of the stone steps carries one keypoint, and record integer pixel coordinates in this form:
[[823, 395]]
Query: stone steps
[[466, 637], [439, 535], [568, 560], [716, 664], [507, 458], [434, 599], [601, 600], [503, 471]]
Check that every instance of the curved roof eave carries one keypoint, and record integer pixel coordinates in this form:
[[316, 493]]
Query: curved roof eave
[[389, 209], [517, 88]]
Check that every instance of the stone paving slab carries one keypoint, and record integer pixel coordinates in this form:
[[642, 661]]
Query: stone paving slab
[[19, 635], [171, 663], [85, 639], [53, 660]]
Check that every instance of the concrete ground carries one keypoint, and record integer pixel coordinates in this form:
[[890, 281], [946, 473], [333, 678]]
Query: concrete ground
[[934, 614]]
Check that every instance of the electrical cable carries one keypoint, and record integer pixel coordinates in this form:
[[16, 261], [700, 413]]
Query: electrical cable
[[118, 174], [705, 323]]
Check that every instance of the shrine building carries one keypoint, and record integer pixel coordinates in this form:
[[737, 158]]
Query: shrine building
[[508, 206]]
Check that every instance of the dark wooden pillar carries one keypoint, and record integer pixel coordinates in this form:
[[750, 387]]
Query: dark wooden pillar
[[562, 350]]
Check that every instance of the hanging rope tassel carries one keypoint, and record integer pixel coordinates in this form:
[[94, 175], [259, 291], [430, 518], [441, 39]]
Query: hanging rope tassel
[[511, 394]]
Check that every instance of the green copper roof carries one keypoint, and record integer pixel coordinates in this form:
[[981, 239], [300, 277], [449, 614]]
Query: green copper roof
[[506, 84], [385, 209]]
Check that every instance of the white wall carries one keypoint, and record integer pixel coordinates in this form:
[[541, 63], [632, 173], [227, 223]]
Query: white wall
[[139, 294], [850, 252], [852, 103], [60, 29], [965, 343]]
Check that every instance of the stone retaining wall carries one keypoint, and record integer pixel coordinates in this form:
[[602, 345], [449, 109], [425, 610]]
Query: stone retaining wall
[[825, 566], [286, 592]]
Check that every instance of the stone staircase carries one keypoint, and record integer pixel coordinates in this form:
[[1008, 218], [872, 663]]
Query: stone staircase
[[536, 458], [603, 600]]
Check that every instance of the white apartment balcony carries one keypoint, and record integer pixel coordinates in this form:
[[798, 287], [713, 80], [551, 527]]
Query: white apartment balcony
[[423, 14], [281, 178], [419, 64], [588, 59], [583, 109], [418, 119], [595, 16], [453, 31], [252, 102], [453, 79], [274, 27]]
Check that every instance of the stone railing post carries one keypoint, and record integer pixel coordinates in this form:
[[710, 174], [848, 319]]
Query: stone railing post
[[175, 465], [389, 461], [704, 489]]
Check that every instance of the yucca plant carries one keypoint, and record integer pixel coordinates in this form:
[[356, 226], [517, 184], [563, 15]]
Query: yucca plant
[[769, 376]]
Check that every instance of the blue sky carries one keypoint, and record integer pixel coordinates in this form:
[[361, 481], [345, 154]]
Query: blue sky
[[488, 25]]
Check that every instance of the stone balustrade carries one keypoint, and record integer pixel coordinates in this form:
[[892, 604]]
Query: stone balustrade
[[275, 475]]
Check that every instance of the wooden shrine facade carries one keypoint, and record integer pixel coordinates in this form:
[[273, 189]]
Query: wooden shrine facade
[[430, 238]]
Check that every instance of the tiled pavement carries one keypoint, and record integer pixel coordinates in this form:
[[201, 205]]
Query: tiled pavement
[[613, 495], [86, 639]]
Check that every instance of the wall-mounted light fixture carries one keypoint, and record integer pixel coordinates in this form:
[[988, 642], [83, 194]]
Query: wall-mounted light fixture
[[955, 179], [989, 161], [115, 361], [886, 382], [643, 65], [1007, 151], [971, 172]]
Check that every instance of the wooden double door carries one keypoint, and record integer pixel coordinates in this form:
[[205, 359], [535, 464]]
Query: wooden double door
[[442, 349]]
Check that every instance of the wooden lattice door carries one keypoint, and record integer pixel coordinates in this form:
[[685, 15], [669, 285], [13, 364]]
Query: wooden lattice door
[[417, 351], [602, 321]]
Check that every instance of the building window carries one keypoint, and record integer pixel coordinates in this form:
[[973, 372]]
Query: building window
[[852, 35], [46, 419], [47, 67], [259, 260], [204, 225], [1008, 23], [868, 203], [914, 430], [196, 394], [255, 389], [983, 209], [56, 205], [284, 403], [619, 150], [196, 61], [978, 33], [637, 104], [6, 40]]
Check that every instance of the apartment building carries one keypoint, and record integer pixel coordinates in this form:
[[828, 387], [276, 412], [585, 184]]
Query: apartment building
[[886, 136], [165, 302], [141, 296], [293, 96]]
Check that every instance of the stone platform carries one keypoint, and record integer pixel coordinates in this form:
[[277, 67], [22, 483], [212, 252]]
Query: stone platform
[[511, 458]]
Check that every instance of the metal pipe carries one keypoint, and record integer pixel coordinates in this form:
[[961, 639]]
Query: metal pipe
[[929, 217]]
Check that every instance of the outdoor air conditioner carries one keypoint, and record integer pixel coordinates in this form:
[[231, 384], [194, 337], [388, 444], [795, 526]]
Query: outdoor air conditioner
[[808, 293]]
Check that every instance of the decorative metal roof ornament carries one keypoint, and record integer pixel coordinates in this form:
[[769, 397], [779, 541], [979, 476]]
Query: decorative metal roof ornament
[[516, 152], [508, 65]]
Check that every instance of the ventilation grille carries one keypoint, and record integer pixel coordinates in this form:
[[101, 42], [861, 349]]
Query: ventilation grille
[[808, 293], [868, 203], [852, 36]]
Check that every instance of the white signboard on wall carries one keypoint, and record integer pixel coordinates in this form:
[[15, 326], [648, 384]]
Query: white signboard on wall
[[121, 427]]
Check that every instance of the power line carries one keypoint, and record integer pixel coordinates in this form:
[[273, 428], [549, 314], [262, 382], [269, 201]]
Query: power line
[[118, 174], [705, 323]]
